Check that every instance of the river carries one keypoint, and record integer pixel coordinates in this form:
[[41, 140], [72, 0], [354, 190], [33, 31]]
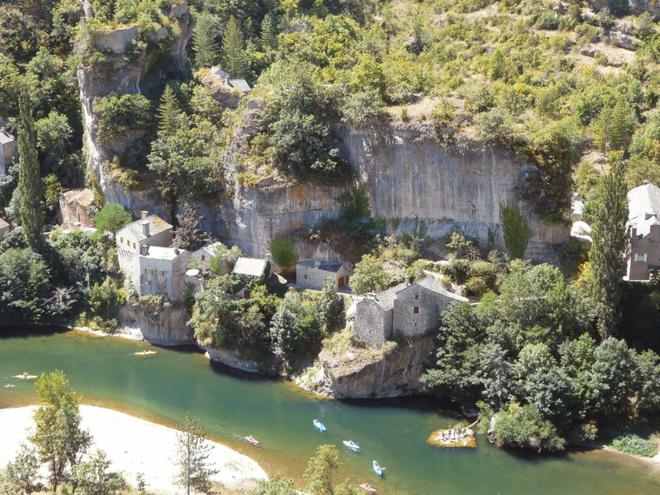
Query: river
[[165, 386]]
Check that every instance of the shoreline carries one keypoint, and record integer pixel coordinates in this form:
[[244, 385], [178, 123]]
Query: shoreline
[[134, 446]]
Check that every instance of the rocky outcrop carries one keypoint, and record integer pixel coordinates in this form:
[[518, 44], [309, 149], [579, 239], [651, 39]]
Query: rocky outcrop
[[233, 359], [165, 325], [112, 62], [634, 6], [362, 374]]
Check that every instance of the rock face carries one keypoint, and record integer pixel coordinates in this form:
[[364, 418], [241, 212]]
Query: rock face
[[122, 69], [360, 375], [166, 326], [634, 6], [233, 359]]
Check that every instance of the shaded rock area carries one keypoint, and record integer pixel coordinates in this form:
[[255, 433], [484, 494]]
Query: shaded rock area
[[166, 326], [233, 359], [366, 373]]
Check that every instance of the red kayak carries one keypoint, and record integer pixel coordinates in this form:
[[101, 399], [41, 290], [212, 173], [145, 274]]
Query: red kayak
[[252, 441], [368, 488]]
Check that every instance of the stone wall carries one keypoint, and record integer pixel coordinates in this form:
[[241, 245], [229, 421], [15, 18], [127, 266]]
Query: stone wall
[[372, 324]]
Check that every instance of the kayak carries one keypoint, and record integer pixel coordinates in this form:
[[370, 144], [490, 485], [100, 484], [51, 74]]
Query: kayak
[[350, 444], [319, 426], [252, 441], [377, 469], [367, 488]]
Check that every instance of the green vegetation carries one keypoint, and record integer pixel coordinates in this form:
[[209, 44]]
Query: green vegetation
[[194, 469], [516, 231], [111, 218], [30, 185], [369, 275], [635, 445], [284, 254]]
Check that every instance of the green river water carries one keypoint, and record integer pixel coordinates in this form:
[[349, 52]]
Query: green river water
[[165, 386]]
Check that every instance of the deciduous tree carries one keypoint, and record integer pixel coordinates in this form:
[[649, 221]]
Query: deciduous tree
[[194, 468]]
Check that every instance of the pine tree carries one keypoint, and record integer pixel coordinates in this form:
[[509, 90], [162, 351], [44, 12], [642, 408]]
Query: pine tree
[[193, 452], [233, 48], [29, 179], [268, 33], [170, 117], [204, 39], [609, 234]]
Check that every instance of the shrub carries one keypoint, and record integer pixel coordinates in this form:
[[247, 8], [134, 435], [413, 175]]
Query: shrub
[[283, 251], [524, 427], [457, 270], [484, 270], [118, 114], [635, 445], [476, 286], [516, 231], [369, 275], [111, 218]]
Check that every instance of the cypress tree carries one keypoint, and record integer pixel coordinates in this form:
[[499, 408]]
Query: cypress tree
[[204, 39], [170, 117], [29, 179], [233, 48], [610, 239]]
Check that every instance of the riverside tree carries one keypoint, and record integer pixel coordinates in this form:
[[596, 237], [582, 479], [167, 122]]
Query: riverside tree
[[21, 475], [609, 234], [93, 477], [194, 468], [320, 469], [58, 437], [29, 180]]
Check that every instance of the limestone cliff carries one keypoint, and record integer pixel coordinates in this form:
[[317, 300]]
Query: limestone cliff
[[117, 60], [367, 373], [166, 326]]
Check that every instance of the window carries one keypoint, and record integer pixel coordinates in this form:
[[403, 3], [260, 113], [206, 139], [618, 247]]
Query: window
[[639, 257], [146, 272], [203, 258], [416, 310], [416, 296], [305, 276]]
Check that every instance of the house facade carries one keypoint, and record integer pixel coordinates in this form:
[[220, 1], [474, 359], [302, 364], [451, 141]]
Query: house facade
[[644, 224], [75, 209], [148, 260], [8, 151], [407, 310], [312, 274]]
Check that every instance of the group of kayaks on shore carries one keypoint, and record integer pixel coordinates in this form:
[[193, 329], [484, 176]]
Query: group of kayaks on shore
[[353, 446]]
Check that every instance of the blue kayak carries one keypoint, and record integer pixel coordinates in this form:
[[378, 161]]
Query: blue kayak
[[319, 426], [377, 469]]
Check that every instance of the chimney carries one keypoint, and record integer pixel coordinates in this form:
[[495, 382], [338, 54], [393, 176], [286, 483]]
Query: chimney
[[145, 214], [145, 228]]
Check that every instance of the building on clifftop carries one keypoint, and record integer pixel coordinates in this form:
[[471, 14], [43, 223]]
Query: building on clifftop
[[644, 222], [406, 310], [75, 209]]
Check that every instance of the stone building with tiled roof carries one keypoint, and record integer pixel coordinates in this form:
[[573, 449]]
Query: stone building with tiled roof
[[644, 223], [405, 310]]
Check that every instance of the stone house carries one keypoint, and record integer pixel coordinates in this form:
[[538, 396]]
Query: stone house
[[240, 85], [4, 229], [8, 151], [311, 274], [148, 260], [644, 223], [75, 209], [203, 257], [406, 310]]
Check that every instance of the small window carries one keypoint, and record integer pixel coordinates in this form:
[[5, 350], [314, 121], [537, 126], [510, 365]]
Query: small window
[[640, 257], [162, 274], [416, 310], [146, 272], [305, 276], [416, 296], [203, 258]]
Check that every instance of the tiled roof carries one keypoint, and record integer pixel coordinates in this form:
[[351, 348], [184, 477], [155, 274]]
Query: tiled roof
[[254, 267], [326, 266], [386, 298], [240, 84], [643, 202], [3, 224], [163, 253], [134, 229]]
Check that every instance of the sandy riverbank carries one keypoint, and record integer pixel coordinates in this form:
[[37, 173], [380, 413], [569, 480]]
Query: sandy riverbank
[[134, 446]]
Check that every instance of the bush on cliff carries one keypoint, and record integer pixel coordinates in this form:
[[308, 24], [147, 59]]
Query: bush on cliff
[[369, 275]]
